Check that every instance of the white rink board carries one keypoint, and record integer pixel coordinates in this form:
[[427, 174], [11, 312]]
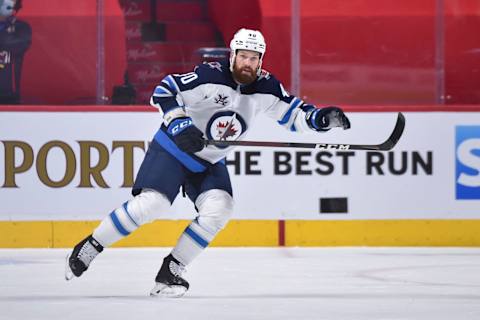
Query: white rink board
[[428, 193]]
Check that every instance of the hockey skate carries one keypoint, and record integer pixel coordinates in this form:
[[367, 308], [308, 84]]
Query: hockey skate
[[169, 283], [82, 255]]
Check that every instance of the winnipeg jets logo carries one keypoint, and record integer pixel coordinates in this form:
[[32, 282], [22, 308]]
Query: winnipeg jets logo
[[221, 99], [225, 130], [225, 125]]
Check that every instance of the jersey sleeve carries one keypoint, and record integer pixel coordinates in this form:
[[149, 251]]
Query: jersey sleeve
[[289, 111], [169, 95]]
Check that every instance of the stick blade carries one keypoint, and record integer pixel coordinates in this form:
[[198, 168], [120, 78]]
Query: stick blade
[[396, 134]]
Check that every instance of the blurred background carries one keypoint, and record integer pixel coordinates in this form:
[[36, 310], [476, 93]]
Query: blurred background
[[330, 52]]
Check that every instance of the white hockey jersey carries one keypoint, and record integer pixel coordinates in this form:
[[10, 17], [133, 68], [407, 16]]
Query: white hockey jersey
[[223, 109]]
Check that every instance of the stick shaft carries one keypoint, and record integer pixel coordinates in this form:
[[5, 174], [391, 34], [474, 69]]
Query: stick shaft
[[384, 146]]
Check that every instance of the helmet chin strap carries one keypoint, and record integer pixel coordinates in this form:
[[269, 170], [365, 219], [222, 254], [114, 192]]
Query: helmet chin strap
[[259, 69]]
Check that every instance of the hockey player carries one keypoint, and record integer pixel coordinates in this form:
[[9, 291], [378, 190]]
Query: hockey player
[[215, 101]]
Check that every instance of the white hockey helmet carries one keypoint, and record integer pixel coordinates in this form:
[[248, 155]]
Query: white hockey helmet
[[247, 39]]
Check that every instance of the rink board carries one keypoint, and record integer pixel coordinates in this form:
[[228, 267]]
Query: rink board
[[257, 233], [64, 168]]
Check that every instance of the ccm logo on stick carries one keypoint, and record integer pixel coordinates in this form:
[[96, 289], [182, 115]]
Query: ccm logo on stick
[[467, 164], [333, 146]]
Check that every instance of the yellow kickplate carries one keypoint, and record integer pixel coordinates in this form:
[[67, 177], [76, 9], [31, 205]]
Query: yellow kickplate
[[242, 233]]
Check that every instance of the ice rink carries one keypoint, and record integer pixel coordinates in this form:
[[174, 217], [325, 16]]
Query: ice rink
[[248, 283]]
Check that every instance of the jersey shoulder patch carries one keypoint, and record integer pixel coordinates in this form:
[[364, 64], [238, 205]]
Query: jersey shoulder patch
[[267, 83]]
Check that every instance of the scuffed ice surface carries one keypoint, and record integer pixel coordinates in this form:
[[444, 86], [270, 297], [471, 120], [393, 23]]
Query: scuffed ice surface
[[248, 283]]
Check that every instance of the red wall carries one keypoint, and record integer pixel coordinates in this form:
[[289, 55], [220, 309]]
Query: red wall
[[352, 52], [372, 51], [60, 66], [229, 16]]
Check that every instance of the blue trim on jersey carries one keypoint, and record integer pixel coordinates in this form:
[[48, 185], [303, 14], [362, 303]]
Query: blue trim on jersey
[[196, 237], [128, 213], [293, 128], [171, 83], [164, 141], [162, 90], [118, 225], [288, 114]]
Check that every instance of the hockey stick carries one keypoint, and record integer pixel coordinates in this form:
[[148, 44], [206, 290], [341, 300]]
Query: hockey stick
[[384, 146]]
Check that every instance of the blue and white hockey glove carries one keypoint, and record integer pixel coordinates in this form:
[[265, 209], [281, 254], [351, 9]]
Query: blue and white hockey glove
[[185, 135], [326, 118]]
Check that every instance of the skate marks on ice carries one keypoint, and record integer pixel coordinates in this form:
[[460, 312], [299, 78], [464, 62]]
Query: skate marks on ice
[[406, 275], [248, 283]]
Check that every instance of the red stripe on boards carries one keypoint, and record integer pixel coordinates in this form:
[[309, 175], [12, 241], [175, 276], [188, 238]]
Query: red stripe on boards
[[281, 233]]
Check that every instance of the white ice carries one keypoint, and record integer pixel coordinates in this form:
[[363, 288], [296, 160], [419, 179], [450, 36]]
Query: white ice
[[248, 283]]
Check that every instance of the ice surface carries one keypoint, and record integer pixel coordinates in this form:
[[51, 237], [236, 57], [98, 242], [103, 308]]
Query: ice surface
[[248, 283]]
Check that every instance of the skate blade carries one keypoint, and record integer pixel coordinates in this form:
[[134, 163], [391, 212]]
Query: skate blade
[[68, 272], [165, 291]]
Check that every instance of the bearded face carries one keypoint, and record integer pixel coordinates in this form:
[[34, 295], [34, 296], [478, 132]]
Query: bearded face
[[245, 66], [244, 75]]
